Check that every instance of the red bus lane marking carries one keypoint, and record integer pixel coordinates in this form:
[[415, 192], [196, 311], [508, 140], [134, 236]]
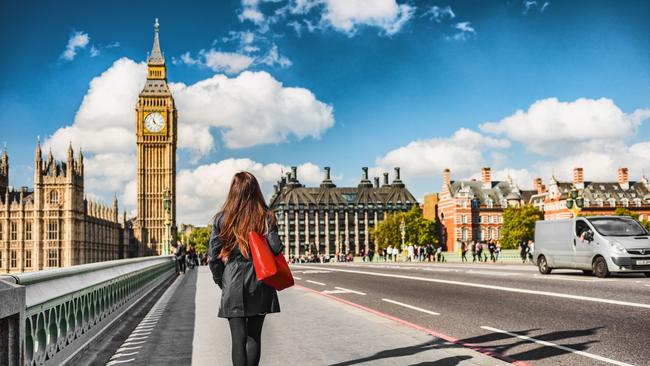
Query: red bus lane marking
[[434, 333]]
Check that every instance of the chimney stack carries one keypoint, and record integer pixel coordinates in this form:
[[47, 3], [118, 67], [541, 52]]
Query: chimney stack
[[386, 184], [294, 173], [397, 174], [578, 178], [623, 178], [486, 177], [446, 176], [365, 172], [376, 182], [327, 173]]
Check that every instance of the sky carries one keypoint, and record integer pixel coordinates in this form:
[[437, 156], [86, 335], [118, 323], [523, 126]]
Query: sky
[[529, 88]]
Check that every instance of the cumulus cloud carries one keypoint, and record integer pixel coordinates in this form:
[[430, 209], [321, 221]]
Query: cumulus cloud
[[464, 152], [551, 127], [530, 4], [252, 108], [204, 189], [78, 40], [347, 15], [218, 61]]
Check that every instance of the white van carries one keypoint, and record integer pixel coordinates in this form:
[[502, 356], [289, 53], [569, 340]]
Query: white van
[[594, 244]]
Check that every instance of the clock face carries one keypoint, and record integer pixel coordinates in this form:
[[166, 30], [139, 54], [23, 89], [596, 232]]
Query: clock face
[[154, 122]]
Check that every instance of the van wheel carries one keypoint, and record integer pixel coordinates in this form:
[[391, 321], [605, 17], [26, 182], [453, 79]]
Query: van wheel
[[600, 268], [588, 272], [543, 265]]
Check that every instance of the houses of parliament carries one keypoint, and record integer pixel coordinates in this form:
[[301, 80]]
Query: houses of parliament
[[54, 225]]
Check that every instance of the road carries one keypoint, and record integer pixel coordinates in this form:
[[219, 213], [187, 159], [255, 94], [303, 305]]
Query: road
[[565, 318]]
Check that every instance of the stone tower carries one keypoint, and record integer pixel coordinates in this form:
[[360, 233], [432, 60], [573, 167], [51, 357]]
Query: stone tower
[[4, 171], [156, 134]]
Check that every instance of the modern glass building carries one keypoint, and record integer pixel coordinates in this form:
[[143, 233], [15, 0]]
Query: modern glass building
[[330, 219]]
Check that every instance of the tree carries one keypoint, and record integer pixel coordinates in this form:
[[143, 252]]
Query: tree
[[419, 231], [519, 225], [199, 239]]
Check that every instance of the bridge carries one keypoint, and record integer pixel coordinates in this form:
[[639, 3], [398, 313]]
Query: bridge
[[141, 312]]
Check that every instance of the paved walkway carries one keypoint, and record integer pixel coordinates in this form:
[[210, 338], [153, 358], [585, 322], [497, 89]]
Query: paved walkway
[[315, 330]]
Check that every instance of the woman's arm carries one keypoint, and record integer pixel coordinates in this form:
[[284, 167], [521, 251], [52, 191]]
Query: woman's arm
[[273, 238], [215, 263]]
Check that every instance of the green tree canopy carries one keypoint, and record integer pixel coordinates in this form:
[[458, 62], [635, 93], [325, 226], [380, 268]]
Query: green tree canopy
[[419, 231], [519, 225], [199, 239]]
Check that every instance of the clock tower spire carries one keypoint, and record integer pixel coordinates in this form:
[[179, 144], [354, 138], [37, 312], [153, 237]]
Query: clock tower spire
[[156, 135]]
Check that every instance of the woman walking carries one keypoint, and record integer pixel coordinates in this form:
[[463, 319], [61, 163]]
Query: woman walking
[[244, 300]]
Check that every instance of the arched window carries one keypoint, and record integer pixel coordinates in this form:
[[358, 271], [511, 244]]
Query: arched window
[[490, 233], [464, 233], [54, 197]]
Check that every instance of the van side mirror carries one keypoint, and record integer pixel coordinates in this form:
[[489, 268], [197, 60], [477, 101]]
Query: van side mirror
[[589, 236]]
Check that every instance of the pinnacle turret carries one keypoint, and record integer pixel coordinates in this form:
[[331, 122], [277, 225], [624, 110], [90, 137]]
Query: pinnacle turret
[[156, 56]]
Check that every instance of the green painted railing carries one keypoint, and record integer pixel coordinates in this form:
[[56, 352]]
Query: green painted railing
[[67, 307]]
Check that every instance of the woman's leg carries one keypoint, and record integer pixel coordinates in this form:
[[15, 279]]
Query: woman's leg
[[238, 334], [254, 340]]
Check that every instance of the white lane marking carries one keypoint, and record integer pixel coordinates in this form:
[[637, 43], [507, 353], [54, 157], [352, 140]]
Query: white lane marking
[[352, 291], [411, 307], [117, 355], [500, 288], [490, 273], [133, 343], [115, 362], [297, 278], [547, 277], [316, 283], [315, 271], [549, 344], [141, 332], [135, 338]]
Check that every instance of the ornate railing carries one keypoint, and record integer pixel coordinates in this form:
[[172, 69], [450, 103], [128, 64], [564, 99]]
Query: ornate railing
[[66, 308]]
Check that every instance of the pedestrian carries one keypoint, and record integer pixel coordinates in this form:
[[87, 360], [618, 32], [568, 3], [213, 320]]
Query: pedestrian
[[479, 250], [411, 252], [180, 257], [497, 251], [463, 251], [389, 252], [429, 251], [492, 248], [523, 251], [531, 249], [244, 300], [371, 254], [474, 248], [439, 254], [363, 254]]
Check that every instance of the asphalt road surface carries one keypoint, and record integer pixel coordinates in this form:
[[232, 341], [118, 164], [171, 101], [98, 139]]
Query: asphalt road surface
[[565, 318]]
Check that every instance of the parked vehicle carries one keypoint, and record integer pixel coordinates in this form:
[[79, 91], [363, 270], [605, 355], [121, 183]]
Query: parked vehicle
[[594, 244]]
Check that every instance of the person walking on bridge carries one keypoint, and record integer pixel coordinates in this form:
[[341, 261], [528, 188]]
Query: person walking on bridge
[[244, 300]]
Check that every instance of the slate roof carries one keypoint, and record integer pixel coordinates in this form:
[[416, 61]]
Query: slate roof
[[290, 191], [498, 191], [14, 196]]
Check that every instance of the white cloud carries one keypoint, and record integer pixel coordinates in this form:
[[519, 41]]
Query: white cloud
[[228, 62], [78, 40], [438, 13], [203, 190], [551, 127], [94, 52], [347, 15], [465, 32], [529, 4], [252, 108], [463, 152], [275, 58]]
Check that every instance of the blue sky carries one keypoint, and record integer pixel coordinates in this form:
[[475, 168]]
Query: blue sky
[[420, 84]]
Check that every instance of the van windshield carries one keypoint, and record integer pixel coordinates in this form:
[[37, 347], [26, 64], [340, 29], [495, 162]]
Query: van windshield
[[614, 226]]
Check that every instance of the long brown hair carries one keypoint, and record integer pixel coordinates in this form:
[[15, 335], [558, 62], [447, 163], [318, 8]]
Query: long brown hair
[[244, 211]]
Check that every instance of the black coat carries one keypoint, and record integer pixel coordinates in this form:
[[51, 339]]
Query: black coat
[[242, 294]]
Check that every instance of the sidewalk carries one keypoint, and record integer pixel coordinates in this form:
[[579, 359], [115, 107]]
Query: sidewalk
[[315, 330]]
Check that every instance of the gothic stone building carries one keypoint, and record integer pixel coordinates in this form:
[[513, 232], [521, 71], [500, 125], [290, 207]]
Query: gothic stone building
[[330, 219], [53, 225], [472, 209]]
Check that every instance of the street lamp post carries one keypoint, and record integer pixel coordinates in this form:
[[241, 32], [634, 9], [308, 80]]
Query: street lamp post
[[402, 228], [575, 202], [167, 206]]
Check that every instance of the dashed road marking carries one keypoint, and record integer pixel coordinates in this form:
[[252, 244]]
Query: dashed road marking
[[316, 283], [348, 290], [115, 362], [297, 278], [549, 344], [411, 307]]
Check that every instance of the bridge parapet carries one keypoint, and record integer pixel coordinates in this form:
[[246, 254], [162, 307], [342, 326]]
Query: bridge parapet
[[66, 308]]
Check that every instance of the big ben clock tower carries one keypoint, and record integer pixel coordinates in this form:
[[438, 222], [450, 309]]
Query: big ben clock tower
[[156, 132]]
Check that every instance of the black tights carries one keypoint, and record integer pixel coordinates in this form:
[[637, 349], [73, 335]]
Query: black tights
[[246, 340]]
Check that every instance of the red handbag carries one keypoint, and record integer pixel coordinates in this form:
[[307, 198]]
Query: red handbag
[[271, 269]]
